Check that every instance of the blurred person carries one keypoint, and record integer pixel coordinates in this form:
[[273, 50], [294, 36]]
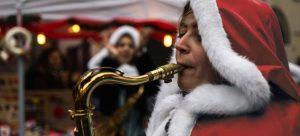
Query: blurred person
[[77, 57], [38, 50], [48, 72], [236, 78], [120, 52], [119, 49]]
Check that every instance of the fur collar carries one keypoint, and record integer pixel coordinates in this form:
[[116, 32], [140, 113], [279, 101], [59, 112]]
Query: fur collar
[[183, 111]]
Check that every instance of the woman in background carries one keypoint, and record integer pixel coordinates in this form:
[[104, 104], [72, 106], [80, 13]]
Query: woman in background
[[120, 52]]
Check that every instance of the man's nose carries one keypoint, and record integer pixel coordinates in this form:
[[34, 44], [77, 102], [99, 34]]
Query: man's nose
[[182, 46]]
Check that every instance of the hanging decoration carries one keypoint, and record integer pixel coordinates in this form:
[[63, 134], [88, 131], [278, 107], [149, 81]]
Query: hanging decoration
[[11, 45]]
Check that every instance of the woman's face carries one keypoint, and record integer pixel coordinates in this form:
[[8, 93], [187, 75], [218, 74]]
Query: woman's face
[[126, 50], [191, 55], [55, 60]]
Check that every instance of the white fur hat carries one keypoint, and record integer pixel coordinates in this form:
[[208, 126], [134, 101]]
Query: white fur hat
[[119, 32]]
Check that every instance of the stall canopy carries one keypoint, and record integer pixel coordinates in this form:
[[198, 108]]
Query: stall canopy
[[57, 15], [96, 9]]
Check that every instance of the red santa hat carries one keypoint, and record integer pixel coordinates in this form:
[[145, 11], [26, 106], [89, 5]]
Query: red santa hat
[[245, 47]]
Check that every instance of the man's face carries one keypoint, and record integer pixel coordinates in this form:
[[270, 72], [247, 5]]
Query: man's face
[[126, 50], [191, 55]]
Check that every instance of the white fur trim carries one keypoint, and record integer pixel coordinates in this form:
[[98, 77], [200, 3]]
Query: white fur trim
[[205, 99], [238, 70], [125, 30], [168, 89], [160, 131], [217, 99], [98, 58], [162, 110], [128, 70], [295, 71], [182, 123]]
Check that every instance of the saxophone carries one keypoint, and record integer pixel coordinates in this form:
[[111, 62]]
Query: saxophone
[[82, 114]]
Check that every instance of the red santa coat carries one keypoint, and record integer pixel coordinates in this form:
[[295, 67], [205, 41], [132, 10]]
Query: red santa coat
[[279, 119], [243, 42]]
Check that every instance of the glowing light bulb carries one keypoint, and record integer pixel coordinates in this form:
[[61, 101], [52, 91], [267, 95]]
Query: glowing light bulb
[[168, 40], [75, 28], [41, 39]]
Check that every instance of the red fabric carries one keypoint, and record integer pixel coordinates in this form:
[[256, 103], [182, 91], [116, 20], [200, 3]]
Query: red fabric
[[254, 31], [59, 29], [280, 119]]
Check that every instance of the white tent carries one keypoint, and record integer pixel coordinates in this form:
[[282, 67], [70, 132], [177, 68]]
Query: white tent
[[96, 9]]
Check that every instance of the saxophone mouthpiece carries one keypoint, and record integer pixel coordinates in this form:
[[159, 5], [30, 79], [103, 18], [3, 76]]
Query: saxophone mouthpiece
[[165, 72]]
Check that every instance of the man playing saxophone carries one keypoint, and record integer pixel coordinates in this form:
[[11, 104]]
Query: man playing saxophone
[[236, 78]]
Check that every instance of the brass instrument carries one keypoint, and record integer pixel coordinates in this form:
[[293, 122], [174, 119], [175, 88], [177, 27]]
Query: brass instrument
[[83, 111]]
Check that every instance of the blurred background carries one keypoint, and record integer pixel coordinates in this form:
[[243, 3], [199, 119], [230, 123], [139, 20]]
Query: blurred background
[[67, 34]]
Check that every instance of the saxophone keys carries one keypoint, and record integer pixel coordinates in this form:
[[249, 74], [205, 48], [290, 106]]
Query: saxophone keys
[[72, 114]]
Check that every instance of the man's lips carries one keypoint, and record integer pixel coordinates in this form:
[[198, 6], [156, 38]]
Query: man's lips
[[185, 66]]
